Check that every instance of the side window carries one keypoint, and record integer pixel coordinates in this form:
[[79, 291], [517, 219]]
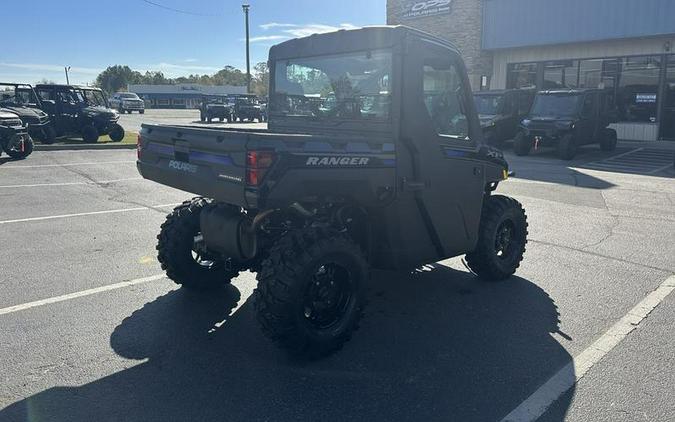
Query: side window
[[587, 109], [443, 97], [44, 94]]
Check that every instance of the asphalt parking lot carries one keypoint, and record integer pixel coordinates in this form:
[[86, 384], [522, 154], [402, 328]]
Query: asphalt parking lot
[[91, 330]]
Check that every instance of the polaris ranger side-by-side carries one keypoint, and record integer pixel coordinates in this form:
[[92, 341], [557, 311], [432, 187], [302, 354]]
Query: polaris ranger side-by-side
[[216, 107], [373, 158], [14, 138], [567, 119], [500, 113], [22, 100], [81, 111]]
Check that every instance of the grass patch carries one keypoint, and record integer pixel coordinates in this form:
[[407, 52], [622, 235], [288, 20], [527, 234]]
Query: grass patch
[[129, 138]]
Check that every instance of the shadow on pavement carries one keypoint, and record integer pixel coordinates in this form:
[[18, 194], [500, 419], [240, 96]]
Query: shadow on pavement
[[435, 345]]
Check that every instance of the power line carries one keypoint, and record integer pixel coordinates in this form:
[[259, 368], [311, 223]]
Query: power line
[[185, 12]]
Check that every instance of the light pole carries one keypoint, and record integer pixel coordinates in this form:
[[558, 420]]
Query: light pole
[[67, 68], [246, 8]]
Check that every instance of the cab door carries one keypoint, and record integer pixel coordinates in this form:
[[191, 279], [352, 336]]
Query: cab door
[[440, 133]]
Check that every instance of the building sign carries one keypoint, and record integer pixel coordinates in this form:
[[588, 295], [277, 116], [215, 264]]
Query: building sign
[[421, 8], [645, 98]]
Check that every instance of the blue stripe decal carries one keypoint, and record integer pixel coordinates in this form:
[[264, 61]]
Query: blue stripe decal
[[211, 158], [160, 148], [389, 162]]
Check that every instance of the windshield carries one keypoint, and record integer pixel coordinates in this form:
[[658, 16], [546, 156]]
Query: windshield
[[556, 105], [348, 86], [91, 97], [489, 104], [129, 96], [11, 95]]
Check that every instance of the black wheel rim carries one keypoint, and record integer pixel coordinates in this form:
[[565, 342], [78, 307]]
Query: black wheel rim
[[506, 240], [199, 253], [328, 296]]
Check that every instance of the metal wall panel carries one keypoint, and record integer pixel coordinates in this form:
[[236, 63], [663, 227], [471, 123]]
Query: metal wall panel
[[521, 23]]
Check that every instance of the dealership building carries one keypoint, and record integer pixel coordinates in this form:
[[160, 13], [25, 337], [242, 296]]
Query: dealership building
[[622, 45], [181, 95]]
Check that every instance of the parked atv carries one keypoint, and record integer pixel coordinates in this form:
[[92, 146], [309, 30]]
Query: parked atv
[[22, 100], [14, 137], [216, 107], [390, 174], [568, 119], [80, 111], [247, 109], [501, 112]]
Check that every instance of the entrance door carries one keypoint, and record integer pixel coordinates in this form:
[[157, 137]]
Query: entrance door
[[440, 129], [668, 113]]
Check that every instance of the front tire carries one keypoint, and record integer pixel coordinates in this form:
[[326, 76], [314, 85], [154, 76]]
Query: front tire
[[183, 257], [310, 294], [116, 133], [501, 240], [567, 147], [18, 148], [49, 135], [522, 144], [609, 140]]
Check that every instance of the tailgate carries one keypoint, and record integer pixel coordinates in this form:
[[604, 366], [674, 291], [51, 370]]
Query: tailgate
[[206, 162]]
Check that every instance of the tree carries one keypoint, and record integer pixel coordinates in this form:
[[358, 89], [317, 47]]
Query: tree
[[116, 78], [261, 79]]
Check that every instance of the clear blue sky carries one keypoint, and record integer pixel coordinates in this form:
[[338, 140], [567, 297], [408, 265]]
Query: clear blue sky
[[44, 35]]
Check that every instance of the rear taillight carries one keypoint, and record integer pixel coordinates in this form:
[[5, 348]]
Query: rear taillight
[[138, 146], [257, 165]]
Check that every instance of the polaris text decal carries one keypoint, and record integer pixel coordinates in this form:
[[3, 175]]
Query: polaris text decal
[[182, 166], [337, 161]]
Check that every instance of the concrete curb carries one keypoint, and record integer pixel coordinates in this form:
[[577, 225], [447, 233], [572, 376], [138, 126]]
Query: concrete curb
[[79, 147]]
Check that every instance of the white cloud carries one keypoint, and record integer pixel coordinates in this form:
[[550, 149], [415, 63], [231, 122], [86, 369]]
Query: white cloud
[[306, 30], [267, 38], [277, 25], [39, 67], [190, 60]]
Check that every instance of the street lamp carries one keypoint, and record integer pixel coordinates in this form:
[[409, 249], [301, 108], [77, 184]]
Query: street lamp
[[246, 8], [67, 68]]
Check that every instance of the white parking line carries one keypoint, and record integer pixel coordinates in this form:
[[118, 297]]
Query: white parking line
[[535, 405], [37, 185], [89, 292], [52, 217], [6, 167]]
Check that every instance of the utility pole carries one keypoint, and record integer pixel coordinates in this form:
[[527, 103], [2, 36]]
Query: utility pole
[[246, 7], [67, 68]]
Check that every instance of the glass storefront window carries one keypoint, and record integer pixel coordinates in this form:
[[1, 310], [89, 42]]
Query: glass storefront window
[[638, 87], [598, 73], [521, 75], [561, 74]]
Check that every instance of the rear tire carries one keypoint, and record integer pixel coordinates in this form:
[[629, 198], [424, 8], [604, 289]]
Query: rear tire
[[609, 140], [90, 134], [177, 241], [310, 294], [49, 135], [522, 145], [501, 241], [567, 147], [116, 133], [141, 111]]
